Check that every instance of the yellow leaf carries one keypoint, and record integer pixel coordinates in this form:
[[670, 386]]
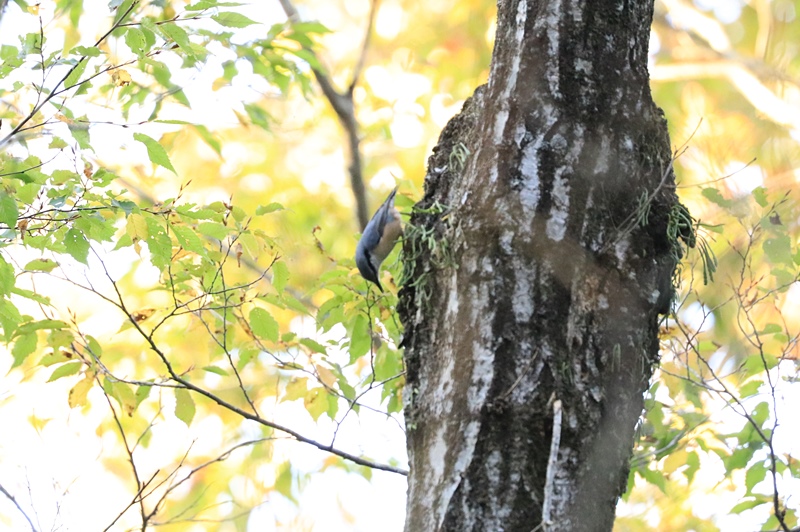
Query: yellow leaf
[[250, 244], [38, 423], [136, 227], [674, 461], [219, 83], [78, 393], [326, 376], [121, 78]]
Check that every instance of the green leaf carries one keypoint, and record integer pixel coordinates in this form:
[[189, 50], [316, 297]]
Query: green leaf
[[175, 33], [749, 389], [201, 5], [360, 340], [141, 394], [284, 481], [41, 265], [33, 296], [32, 326], [209, 138], [80, 132], [184, 405], [75, 76], [155, 151], [760, 195], [316, 402], [312, 26], [693, 465], [755, 474], [64, 370], [8, 210], [760, 413], [187, 238], [77, 245], [280, 274], [296, 388], [771, 328], [93, 345], [7, 277], [59, 177], [135, 40], [739, 457], [28, 192], [122, 393], [654, 477], [216, 370], [88, 51], [779, 250], [388, 363], [715, 196], [747, 504], [245, 356], [258, 116], [232, 20], [23, 346], [59, 338], [214, 230], [96, 227], [263, 324], [158, 242], [8, 52], [250, 244], [57, 143], [9, 318], [266, 209], [315, 346], [395, 403]]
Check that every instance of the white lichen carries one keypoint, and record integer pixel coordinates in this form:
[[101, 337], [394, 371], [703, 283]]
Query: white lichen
[[500, 120], [552, 20], [523, 294], [506, 238], [557, 223], [529, 194]]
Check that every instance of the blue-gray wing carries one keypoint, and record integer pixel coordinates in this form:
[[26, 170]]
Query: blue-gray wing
[[381, 216]]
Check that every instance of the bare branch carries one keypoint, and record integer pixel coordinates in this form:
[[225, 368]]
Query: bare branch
[[344, 107], [119, 302], [11, 497]]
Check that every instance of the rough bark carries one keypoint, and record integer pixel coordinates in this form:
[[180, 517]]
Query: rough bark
[[537, 267]]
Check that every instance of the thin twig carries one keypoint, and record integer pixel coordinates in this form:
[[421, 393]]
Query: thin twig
[[139, 485], [373, 10], [14, 501], [344, 107], [120, 304], [54, 91]]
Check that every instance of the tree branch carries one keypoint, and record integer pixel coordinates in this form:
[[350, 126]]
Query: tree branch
[[11, 497], [344, 107], [54, 91], [120, 304]]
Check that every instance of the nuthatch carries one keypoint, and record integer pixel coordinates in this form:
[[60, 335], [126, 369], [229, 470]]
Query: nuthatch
[[378, 240]]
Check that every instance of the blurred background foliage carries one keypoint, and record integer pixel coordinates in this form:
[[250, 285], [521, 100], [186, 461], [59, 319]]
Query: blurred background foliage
[[255, 157]]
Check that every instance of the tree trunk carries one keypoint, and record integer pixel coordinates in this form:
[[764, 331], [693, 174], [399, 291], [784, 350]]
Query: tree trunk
[[537, 264]]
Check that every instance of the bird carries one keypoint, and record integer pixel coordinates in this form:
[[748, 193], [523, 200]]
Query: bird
[[378, 240]]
